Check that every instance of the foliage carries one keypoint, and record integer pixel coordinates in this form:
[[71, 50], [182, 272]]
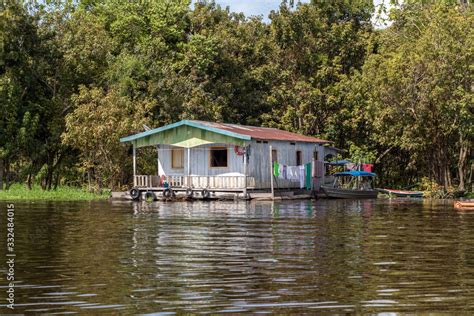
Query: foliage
[[63, 193], [77, 76]]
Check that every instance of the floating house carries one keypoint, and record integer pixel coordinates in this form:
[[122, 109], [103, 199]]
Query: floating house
[[203, 158]]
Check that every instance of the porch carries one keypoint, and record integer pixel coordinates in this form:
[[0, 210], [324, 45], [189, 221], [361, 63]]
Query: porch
[[228, 183]]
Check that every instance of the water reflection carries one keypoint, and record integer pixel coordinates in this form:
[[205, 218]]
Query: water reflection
[[286, 257]]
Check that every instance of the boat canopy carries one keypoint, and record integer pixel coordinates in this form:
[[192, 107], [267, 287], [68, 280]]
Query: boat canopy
[[356, 174], [339, 162]]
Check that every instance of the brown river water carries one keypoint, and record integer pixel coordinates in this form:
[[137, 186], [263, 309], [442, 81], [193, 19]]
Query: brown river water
[[325, 256]]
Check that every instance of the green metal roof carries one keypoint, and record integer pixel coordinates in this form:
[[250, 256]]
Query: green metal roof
[[181, 123]]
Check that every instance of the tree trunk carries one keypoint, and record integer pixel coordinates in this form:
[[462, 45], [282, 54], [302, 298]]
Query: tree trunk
[[56, 182], [462, 167], [7, 175], [99, 184], [1, 174], [89, 180], [28, 180]]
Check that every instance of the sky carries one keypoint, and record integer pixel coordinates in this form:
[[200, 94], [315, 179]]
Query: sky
[[260, 7]]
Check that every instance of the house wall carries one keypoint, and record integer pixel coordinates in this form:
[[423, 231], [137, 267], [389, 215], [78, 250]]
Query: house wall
[[259, 161], [200, 162], [260, 165]]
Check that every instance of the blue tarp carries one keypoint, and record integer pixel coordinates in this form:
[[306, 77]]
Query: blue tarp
[[339, 162], [356, 174]]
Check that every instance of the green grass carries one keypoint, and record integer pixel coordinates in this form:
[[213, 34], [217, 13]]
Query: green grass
[[20, 192], [469, 195]]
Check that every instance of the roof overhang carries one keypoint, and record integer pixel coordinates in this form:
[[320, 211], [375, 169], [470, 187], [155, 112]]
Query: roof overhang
[[185, 134]]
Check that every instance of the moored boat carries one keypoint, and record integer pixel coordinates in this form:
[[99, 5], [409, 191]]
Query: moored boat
[[402, 193], [464, 205], [351, 185]]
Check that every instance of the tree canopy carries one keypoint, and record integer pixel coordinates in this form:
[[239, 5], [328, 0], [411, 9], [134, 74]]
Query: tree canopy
[[77, 75]]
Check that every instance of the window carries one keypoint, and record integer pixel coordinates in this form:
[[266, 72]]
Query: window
[[315, 155], [218, 157], [177, 158], [298, 158], [274, 155]]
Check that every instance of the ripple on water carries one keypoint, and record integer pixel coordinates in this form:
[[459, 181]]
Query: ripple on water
[[233, 257]]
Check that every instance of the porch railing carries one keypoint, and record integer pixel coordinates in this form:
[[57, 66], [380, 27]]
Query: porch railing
[[198, 182]]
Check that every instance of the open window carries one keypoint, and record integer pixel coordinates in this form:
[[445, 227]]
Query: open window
[[177, 158], [274, 155], [218, 157], [299, 158], [315, 155]]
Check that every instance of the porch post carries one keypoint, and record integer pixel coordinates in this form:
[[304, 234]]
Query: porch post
[[271, 171], [158, 160], [189, 166], [245, 173], [134, 163]]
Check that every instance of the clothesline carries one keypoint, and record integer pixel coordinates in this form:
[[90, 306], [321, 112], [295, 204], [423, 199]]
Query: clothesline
[[301, 173]]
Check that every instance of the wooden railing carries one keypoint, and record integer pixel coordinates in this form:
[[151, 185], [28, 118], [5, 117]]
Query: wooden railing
[[198, 182]]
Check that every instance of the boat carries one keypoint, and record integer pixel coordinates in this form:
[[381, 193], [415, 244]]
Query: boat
[[351, 185], [402, 193], [464, 205]]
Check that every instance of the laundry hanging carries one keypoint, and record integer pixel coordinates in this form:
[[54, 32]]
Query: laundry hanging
[[301, 176], [308, 175], [276, 169]]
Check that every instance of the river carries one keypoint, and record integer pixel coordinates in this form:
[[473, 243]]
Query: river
[[331, 256]]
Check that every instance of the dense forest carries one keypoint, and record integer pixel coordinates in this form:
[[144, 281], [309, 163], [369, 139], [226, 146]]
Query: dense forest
[[75, 76]]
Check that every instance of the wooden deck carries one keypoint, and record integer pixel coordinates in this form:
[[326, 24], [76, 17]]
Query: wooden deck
[[177, 182]]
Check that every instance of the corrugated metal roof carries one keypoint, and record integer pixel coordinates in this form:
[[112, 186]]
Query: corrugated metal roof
[[243, 132], [262, 133]]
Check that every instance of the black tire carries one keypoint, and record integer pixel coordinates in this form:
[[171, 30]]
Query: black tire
[[135, 194], [189, 193], [205, 193], [150, 197], [167, 193]]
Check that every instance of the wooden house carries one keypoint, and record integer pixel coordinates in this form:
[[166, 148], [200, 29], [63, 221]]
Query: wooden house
[[218, 157]]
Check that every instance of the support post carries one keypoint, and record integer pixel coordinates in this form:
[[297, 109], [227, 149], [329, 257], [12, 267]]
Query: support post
[[271, 171], [158, 160], [245, 172], [189, 166], [134, 164]]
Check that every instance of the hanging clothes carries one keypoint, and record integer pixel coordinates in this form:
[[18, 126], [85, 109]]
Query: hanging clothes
[[293, 173], [280, 171], [308, 168], [276, 169], [350, 166], [368, 167], [301, 176]]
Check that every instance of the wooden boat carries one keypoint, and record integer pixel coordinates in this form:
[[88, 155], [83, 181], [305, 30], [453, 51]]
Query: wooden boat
[[464, 205], [351, 185], [402, 193]]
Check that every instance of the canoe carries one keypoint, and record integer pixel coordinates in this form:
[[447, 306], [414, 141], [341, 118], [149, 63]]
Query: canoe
[[464, 205], [402, 193], [348, 194]]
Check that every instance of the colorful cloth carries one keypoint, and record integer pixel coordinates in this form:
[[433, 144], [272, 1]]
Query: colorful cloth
[[280, 171], [276, 169], [367, 167], [301, 176], [308, 175]]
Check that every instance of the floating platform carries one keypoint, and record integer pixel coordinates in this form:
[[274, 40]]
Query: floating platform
[[182, 194]]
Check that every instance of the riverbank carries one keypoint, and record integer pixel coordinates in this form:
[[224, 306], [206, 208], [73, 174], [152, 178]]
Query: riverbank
[[20, 192]]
